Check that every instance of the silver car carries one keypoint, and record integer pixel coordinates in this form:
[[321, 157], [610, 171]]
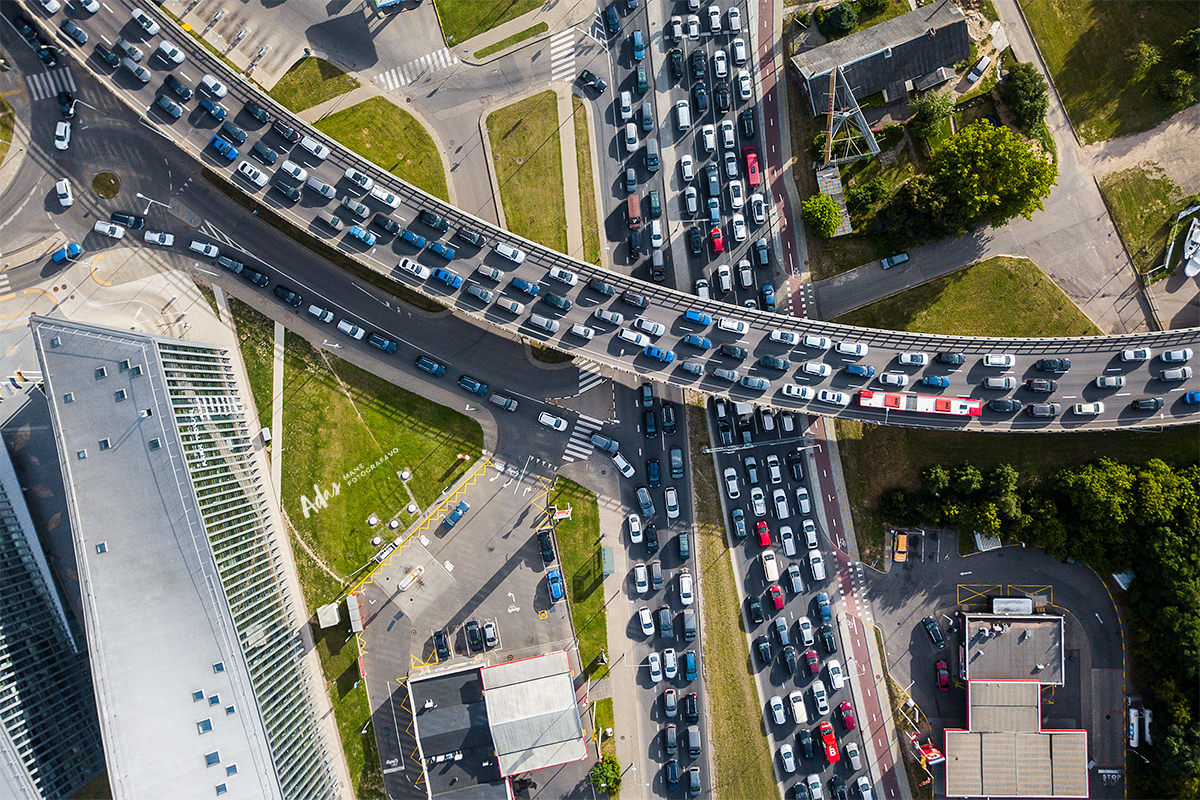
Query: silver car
[[731, 483], [759, 501]]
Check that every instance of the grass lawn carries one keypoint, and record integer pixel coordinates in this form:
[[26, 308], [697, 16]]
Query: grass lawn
[[462, 19], [603, 711], [890, 175], [528, 159], [1084, 44], [382, 132], [7, 119], [587, 194], [310, 82], [578, 540], [1143, 202], [257, 335], [740, 755], [516, 38], [998, 297]]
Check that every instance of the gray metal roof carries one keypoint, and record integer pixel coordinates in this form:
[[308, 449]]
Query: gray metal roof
[[531, 709], [1004, 647]]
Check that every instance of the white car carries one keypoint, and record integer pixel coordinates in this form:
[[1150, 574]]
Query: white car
[[90, 6], [777, 712], [735, 19], [820, 697], [856, 349], [511, 306], [51, 6], [758, 208], [758, 501], [1136, 354], [563, 276], [731, 483], [691, 200], [654, 662], [806, 631], [810, 533], [743, 84], [802, 500], [836, 679], [170, 53], [611, 317], [635, 338], [384, 196], [354, 176], [109, 229], [65, 197], [816, 563], [893, 379], [720, 64], [714, 20], [740, 54], [62, 135], [787, 758], [853, 756], [774, 473], [160, 238], [255, 176], [418, 271], [799, 392], [914, 359], [799, 712], [293, 170], [671, 500], [817, 369], [635, 528], [511, 253], [745, 274], [863, 785], [687, 168], [693, 26], [317, 149], [790, 338], [831, 397], [583, 332], [322, 314], [735, 326], [641, 579], [148, 25], [552, 422], [731, 164], [649, 326], [656, 234], [736, 198], [625, 105], [779, 497], [203, 248], [1087, 409], [670, 665], [708, 138], [998, 360], [817, 342], [631, 137], [687, 588], [728, 137], [813, 784], [646, 620], [739, 228], [214, 86], [350, 329]]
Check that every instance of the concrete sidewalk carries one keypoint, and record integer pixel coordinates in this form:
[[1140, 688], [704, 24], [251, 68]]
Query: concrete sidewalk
[[557, 14], [570, 168]]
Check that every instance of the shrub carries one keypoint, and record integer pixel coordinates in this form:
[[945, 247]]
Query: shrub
[[930, 110], [605, 775], [1025, 93], [841, 19], [818, 147], [1143, 56], [872, 6], [821, 215], [863, 197], [1177, 87]]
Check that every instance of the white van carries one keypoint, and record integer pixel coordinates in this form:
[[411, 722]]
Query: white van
[[770, 566], [683, 114], [545, 323], [320, 187], [204, 249], [622, 463]]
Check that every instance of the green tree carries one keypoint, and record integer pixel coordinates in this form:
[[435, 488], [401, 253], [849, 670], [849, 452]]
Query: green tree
[[1143, 56], [990, 174], [605, 774], [897, 505], [920, 210], [1003, 480], [842, 18], [1043, 528], [967, 480], [935, 478], [983, 518], [1177, 87], [930, 110], [822, 215], [1189, 44], [1025, 92]]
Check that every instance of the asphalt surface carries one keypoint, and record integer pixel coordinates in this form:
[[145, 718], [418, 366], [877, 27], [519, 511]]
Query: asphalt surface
[[1092, 357]]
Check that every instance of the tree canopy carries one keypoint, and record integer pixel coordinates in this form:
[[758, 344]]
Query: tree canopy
[[822, 215], [1024, 90], [930, 110]]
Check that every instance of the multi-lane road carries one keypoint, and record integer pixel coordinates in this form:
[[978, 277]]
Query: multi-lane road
[[1091, 357]]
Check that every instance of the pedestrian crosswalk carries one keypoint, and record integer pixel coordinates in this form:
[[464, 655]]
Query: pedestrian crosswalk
[[580, 445], [3, 282], [47, 84], [589, 375], [562, 55], [405, 74]]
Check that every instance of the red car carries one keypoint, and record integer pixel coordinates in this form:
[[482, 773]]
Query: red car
[[814, 663], [847, 713], [764, 533], [829, 742], [943, 675], [776, 597], [718, 241]]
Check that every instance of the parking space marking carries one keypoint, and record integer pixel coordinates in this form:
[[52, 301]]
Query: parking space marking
[[1031, 591], [967, 592]]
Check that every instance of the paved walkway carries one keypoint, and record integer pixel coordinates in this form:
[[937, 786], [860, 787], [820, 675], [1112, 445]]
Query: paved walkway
[[570, 168], [277, 414], [557, 14]]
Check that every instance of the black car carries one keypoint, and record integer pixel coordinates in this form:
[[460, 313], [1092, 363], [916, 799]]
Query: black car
[[698, 64], [74, 31], [1043, 410], [775, 362], [691, 708], [108, 56], [700, 92], [546, 546], [668, 412], [288, 296], [827, 639], [756, 612], [762, 255], [1147, 404], [695, 241], [747, 121], [671, 770], [837, 788], [651, 538], [635, 245], [130, 221], [796, 465], [653, 472], [722, 98], [805, 740], [676, 63], [789, 659], [168, 105], [762, 646], [733, 351], [1004, 405], [647, 395], [435, 221], [935, 633], [66, 104], [474, 636], [598, 285], [181, 89], [1041, 385], [264, 154], [387, 223], [593, 80], [558, 301], [441, 645], [25, 28], [258, 112], [1053, 364], [47, 56], [288, 191], [634, 299], [651, 424], [953, 359], [471, 237], [725, 432], [255, 277], [286, 132], [233, 132], [666, 627]]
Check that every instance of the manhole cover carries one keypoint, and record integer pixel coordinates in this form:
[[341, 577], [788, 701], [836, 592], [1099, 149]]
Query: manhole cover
[[508, 657], [106, 185], [414, 633]]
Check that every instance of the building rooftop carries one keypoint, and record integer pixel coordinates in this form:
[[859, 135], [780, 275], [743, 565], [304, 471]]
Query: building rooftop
[[456, 743], [1005, 647]]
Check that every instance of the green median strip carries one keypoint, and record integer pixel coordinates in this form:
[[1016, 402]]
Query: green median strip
[[587, 193], [579, 543], [527, 154], [516, 38]]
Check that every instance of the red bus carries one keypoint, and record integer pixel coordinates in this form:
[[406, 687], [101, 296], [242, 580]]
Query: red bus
[[753, 177]]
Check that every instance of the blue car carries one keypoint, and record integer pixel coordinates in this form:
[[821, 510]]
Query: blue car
[[462, 508], [473, 386], [522, 285], [362, 234], [665, 356], [692, 315], [612, 18], [698, 342], [448, 277], [823, 607], [768, 297], [223, 147], [555, 583], [413, 239], [639, 45], [442, 250], [70, 251], [940, 381], [1190, 397]]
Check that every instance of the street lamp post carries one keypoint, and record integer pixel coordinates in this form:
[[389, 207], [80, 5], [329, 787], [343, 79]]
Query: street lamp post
[[150, 201]]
